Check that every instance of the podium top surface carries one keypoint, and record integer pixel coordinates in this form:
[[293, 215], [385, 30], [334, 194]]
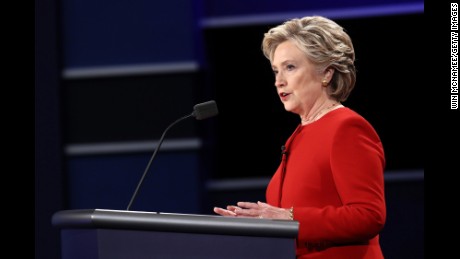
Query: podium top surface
[[172, 222]]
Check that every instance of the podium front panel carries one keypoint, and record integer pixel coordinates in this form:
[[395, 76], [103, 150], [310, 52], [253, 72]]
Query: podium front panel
[[135, 244], [113, 234]]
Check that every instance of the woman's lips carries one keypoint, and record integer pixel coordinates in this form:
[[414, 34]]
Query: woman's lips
[[284, 96]]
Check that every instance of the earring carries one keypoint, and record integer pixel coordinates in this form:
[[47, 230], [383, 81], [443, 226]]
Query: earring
[[324, 82]]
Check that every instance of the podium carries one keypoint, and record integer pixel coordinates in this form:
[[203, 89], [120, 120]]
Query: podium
[[119, 234]]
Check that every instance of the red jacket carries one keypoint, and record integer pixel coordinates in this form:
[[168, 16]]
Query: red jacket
[[333, 179]]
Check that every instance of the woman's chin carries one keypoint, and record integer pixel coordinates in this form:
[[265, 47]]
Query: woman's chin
[[287, 106]]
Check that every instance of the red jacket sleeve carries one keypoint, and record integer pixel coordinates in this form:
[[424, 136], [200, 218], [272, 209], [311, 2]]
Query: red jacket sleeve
[[357, 164]]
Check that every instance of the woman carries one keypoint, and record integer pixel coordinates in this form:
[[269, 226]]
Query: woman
[[330, 179]]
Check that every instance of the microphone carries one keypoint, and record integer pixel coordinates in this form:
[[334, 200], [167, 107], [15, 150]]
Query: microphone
[[201, 111], [205, 110], [283, 151]]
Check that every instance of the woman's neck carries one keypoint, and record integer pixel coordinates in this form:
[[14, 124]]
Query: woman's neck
[[323, 109]]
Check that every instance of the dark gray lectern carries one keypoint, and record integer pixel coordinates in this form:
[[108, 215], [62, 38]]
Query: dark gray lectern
[[116, 234]]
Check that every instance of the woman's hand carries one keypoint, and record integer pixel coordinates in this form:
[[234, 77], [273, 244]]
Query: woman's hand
[[229, 212], [254, 210]]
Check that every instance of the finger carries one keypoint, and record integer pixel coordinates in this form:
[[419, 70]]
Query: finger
[[247, 205], [218, 210], [224, 212], [232, 207], [263, 204], [247, 212]]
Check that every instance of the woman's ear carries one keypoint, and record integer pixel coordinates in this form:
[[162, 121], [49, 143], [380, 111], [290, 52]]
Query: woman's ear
[[327, 77], [328, 73]]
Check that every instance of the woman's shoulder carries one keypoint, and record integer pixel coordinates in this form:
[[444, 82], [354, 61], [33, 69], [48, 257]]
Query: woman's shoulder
[[347, 117], [346, 114]]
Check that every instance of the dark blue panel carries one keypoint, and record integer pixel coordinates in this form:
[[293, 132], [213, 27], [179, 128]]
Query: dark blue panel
[[100, 32], [108, 182], [48, 162], [128, 108], [214, 8], [404, 233]]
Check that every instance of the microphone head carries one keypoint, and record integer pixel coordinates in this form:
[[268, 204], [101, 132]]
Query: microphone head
[[205, 110]]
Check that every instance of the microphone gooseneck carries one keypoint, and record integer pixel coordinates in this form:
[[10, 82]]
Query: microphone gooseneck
[[201, 111], [151, 159]]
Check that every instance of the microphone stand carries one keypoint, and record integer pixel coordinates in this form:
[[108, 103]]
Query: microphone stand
[[153, 156]]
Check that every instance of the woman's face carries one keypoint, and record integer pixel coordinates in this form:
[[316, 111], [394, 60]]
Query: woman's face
[[297, 82]]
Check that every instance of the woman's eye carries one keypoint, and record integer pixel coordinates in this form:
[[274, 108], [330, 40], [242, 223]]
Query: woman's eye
[[290, 67]]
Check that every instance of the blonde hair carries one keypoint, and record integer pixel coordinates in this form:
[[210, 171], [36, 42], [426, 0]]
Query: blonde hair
[[325, 43]]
